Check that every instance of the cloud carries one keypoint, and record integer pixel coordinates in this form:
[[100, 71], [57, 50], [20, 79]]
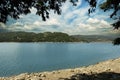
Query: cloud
[[91, 20], [3, 27], [91, 26], [73, 20], [98, 23]]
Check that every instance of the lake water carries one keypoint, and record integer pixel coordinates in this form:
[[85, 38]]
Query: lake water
[[16, 58]]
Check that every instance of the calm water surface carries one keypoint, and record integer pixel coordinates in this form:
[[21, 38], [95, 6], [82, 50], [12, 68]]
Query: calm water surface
[[16, 58]]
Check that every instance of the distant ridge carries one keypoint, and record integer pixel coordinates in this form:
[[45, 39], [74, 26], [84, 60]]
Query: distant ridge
[[52, 37], [90, 38]]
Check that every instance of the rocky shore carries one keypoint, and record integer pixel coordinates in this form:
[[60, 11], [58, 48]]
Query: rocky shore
[[107, 70]]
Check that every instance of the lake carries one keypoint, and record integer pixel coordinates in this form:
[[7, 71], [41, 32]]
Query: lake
[[16, 58]]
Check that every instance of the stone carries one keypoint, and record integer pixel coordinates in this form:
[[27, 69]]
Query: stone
[[43, 75], [35, 78]]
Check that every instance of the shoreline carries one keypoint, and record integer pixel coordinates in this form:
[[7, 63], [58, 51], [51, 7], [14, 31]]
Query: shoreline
[[111, 66], [64, 42]]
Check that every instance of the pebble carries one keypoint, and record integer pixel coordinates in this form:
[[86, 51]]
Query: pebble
[[96, 71], [35, 78], [43, 75]]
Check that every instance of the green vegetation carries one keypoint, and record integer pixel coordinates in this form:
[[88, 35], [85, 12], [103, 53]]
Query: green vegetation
[[116, 41], [14, 8], [95, 38], [51, 37], [34, 37]]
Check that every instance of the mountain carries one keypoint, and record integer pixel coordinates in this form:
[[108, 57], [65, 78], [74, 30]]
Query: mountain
[[52, 37], [92, 38], [35, 37]]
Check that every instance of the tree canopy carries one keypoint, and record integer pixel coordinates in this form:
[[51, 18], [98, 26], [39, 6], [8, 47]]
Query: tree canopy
[[115, 5], [36, 37], [51, 37], [14, 8]]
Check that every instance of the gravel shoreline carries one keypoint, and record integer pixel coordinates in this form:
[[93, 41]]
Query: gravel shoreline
[[107, 70]]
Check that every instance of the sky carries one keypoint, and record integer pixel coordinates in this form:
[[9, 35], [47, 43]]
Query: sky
[[74, 20]]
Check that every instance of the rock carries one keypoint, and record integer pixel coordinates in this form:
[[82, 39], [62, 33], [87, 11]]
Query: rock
[[58, 72], [43, 75], [21, 77], [35, 78], [39, 75], [71, 70], [107, 70], [53, 72]]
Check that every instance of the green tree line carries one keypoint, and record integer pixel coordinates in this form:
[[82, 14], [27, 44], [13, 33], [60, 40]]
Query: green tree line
[[35, 37]]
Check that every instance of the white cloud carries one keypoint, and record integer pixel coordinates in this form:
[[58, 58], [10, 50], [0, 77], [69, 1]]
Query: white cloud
[[52, 21], [73, 20], [3, 27], [37, 23], [91, 20]]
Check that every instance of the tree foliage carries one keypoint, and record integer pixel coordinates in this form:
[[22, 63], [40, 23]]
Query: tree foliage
[[115, 5], [116, 41], [92, 4], [14, 8], [50, 37], [34, 37]]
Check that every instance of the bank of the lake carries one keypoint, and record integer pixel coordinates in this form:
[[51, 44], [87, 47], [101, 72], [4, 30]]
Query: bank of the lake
[[52, 37], [107, 70], [17, 58]]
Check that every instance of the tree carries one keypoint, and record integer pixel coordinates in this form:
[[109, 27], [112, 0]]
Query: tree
[[116, 41], [115, 5], [14, 8]]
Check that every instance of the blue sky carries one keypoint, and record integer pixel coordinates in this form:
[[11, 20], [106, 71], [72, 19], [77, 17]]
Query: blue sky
[[74, 20]]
